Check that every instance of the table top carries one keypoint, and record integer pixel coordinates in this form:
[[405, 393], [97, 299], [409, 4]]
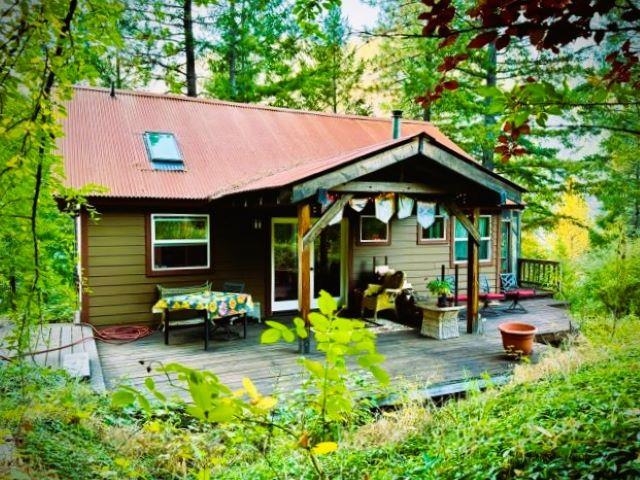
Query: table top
[[217, 304], [435, 308]]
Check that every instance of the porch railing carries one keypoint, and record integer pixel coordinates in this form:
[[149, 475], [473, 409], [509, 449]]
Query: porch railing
[[544, 274]]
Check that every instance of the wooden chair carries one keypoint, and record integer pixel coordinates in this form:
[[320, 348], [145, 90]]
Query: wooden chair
[[514, 293], [181, 318], [378, 297]]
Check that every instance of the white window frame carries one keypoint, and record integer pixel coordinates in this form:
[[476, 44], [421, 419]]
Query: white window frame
[[361, 241], [466, 239], [422, 240], [154, 242]]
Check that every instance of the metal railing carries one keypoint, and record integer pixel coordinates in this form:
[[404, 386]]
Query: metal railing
[[544, 274]]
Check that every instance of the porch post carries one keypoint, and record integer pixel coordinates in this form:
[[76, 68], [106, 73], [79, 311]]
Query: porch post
[[472, 277], [304, 272]]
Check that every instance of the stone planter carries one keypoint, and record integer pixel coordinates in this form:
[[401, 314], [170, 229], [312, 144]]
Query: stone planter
[[440, 323], [517, 338]]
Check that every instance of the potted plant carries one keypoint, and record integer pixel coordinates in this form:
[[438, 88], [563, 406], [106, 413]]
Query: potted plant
[[442, 289], [517, 337]]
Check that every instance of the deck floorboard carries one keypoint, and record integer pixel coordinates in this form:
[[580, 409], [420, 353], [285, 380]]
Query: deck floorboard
[[410, 357]]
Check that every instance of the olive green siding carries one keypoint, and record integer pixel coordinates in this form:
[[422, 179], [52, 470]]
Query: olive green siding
[[120, 292], [418, 261]]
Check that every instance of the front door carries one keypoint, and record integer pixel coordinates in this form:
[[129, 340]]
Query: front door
[[325, 264]]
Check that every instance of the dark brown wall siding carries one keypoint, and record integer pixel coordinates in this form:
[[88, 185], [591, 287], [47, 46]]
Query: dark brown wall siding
[[417, 261], [121, 293]]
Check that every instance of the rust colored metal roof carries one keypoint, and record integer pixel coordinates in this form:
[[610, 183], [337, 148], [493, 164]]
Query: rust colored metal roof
[[227, 147]]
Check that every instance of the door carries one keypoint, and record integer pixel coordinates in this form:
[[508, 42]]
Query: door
[[326, 264], [505, 248]]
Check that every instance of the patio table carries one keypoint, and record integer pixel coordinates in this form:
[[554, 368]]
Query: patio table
[[211, 304]]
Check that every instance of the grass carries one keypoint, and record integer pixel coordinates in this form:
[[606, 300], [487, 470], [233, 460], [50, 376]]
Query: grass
[[575, 414]]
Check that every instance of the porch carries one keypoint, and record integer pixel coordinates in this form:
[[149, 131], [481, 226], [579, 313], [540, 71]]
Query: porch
[[439, 366]]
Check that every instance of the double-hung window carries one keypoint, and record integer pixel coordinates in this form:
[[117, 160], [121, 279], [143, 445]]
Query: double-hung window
[[460, 240], [435, 233], [180, 242]]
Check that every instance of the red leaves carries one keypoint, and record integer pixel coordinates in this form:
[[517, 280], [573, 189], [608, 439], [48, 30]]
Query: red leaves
[[430, 97], [508, 145], [451, 62], [450, 84], [483, 39], [621, 68]]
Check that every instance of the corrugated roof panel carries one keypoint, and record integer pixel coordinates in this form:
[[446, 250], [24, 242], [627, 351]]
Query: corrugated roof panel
[[225, 145]]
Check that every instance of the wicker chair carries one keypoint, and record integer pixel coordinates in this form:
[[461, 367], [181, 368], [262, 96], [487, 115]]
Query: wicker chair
[[379, 297]]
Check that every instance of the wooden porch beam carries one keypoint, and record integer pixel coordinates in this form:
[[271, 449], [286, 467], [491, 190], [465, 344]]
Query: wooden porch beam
[[395, 187], [471, 229], [473, 172], [304, 271], [355, 170], [324, 220], [473, 283]]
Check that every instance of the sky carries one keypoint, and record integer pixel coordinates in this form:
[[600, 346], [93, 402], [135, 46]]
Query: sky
[[359, 14]]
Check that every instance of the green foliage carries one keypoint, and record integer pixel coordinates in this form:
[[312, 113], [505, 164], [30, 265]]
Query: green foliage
[[339, 339], [40, 59], [609, 281]]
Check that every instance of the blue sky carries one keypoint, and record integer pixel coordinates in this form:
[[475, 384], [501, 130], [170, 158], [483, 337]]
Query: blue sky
[[359, 14]]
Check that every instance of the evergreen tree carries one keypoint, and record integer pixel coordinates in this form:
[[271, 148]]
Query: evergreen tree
[[329, 75], [253, 45]]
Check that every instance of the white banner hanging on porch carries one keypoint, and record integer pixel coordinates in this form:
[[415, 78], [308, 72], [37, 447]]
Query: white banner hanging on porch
[[385, 206], [426, 214], [405, 206], [358, 204], [337, 218]]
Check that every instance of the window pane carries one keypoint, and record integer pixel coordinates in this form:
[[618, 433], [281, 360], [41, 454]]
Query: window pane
[[435, 231], [180, 256], [483, 251], [461, 250], [460, 231], [181, 228], [372, 229], [483, 226], [162, 146]]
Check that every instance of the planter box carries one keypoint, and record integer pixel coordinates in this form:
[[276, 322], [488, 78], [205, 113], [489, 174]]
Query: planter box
[[440, 323]]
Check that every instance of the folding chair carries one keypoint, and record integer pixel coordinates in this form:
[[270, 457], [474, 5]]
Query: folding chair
[[514, 293]]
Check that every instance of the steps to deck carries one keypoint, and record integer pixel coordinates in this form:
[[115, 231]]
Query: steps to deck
[[69, 346]]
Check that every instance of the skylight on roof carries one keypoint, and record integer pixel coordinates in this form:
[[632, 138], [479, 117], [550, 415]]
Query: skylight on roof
[[163, 151]]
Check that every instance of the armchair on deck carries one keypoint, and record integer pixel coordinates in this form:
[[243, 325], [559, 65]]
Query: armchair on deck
[[378, 297], [514, 293]]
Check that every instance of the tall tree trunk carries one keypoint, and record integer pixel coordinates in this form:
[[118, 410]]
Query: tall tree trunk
[[489, 120], [232, 55], [189, 47]]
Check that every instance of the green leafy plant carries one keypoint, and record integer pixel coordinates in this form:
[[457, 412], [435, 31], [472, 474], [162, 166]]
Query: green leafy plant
[[439, 287]]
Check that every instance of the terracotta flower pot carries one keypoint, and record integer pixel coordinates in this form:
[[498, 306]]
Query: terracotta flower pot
[[517, 337]]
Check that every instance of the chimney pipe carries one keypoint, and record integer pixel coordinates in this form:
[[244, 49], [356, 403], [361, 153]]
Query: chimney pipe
[[112, 94], [395, 123]]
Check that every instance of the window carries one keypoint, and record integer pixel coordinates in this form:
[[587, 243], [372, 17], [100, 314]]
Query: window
[[435, 233], [461, 239], [163, 151], [373, 231], [179, 242]]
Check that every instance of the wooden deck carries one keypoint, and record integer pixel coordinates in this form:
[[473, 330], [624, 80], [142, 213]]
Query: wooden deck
[[443, 365], [67, 345]]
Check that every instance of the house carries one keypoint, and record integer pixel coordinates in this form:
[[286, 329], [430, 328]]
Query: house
[[201, 189]]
